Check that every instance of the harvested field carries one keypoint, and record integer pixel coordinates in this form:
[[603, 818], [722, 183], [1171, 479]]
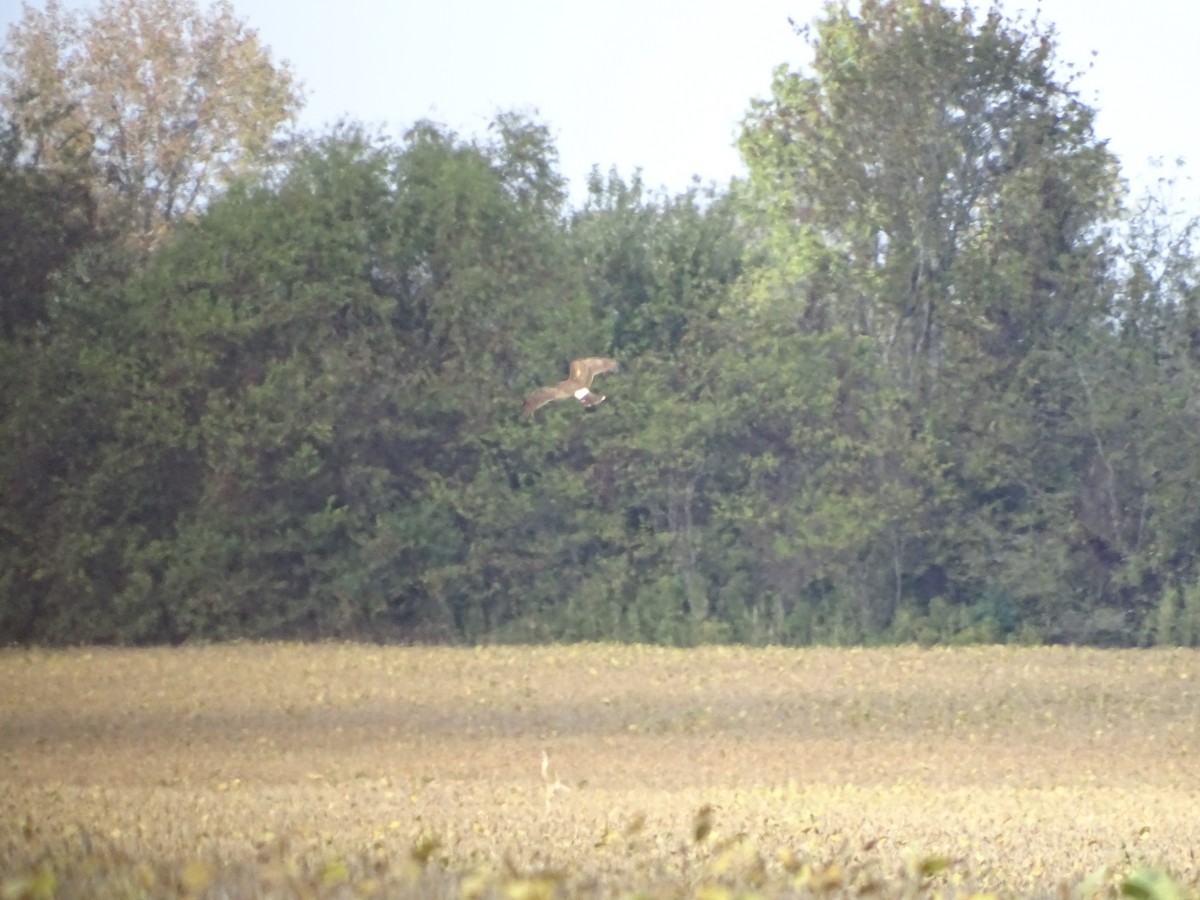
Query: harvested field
[[353, 770]]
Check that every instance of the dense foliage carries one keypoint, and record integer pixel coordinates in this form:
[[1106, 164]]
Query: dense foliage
[[924, 375]]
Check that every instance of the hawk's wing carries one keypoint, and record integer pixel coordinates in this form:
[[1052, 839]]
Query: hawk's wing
[[543, 395], [584, 370]]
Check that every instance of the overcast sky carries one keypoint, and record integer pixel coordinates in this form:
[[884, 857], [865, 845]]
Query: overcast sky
[[662, 84]]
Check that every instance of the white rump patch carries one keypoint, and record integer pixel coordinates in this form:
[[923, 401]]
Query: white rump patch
[[582, 394]]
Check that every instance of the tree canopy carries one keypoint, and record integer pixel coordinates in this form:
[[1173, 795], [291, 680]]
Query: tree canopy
[[159, 101], [925, 375]]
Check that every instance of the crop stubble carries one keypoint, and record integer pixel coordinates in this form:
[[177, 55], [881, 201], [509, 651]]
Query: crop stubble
[[1024, 767]]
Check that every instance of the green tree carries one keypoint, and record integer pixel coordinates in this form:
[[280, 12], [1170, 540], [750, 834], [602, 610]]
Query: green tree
[[1144, 418], [86, 472], [581, 524], [928, 151], [46, 217], [932, 186], [290, 406], [657, 266], [53, 394], [660, 269]]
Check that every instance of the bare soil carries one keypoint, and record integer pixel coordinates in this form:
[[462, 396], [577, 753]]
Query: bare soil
[[352, 768]]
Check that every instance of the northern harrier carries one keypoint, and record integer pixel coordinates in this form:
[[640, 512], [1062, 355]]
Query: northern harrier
[[577, 385]]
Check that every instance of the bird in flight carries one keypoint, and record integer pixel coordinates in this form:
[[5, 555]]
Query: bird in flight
[[578, 384]]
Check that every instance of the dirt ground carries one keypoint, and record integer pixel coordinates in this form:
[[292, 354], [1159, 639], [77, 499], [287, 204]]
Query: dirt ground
[[600, 769]]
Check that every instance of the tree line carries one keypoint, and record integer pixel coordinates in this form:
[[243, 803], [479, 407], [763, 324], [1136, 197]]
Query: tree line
[[927, 374]]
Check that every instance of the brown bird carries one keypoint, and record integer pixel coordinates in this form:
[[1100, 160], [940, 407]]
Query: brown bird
[[578, 385]]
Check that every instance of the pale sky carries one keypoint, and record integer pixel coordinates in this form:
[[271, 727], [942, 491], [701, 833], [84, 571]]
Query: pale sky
[[662, 84]]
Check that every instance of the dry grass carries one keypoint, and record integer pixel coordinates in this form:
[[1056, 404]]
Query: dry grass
[[357, 770]]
